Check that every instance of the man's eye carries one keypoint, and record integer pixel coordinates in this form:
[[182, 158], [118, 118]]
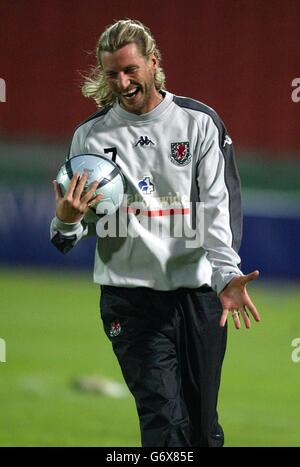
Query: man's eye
[[131, 70]]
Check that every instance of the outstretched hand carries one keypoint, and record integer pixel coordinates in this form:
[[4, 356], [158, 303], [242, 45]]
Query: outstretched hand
[[235, 299]]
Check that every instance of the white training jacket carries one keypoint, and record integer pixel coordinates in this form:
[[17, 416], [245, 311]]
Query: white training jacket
[[177, 154]]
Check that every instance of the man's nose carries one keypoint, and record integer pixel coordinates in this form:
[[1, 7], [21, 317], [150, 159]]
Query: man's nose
[[123, 81]]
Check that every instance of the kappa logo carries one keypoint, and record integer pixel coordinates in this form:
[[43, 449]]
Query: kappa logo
[[227, 140], [115, 328], [180, 153], [146, 185], [144, 141]]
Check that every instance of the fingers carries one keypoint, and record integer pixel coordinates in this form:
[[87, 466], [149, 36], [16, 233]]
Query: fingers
[[89, 198], [246, 318], [57, 191], [72, 185], [224, 317], [236, 319], [237, 314], [93, 203], [76, 192], [249, 277], [79, 187], [235, 300], [253, 311], [90, 194]]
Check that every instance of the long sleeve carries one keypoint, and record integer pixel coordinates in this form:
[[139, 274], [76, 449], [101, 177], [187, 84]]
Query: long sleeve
[[65, 236], [191, 159], [219, 190]]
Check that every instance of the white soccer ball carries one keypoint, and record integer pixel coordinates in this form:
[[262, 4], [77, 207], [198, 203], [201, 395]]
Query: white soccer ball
[[112, 184]]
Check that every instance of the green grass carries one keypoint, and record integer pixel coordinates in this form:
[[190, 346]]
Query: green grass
[[259, 398], [50, 322]]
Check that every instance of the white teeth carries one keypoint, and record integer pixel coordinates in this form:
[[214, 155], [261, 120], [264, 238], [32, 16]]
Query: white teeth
[[130, 93]]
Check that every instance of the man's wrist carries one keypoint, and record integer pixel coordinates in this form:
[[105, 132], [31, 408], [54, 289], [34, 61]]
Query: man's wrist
[[222, 279], [66, 227]]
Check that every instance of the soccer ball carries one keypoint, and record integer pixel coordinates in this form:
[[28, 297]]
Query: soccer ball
[[112, 184]]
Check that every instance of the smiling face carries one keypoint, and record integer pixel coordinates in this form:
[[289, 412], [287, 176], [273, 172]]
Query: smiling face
[[130, 77]]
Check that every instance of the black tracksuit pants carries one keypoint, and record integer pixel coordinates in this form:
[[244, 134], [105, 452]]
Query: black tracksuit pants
[[170, 348]]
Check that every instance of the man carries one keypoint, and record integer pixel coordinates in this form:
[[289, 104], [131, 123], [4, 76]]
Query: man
[[164, 302]]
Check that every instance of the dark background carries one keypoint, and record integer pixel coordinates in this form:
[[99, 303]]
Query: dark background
[[239, 56]]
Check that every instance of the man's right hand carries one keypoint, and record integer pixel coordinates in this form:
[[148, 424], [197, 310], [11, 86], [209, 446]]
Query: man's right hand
[[71, 207]]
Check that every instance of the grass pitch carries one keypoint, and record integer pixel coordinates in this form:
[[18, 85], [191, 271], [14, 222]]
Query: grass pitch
[[50, 322]]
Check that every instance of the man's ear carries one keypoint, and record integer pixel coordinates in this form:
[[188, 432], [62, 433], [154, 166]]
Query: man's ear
[[153, 61]]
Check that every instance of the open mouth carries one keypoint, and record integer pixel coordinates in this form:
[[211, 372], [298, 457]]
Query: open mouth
[[132, 93]]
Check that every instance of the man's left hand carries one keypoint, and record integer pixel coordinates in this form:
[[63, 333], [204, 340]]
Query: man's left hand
[[235, 299]]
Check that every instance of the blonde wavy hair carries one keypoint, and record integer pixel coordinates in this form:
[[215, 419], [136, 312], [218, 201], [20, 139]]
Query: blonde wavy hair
[[114, 37]]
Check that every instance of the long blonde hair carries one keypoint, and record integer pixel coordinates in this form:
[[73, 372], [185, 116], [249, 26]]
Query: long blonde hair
[[114, 37]]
